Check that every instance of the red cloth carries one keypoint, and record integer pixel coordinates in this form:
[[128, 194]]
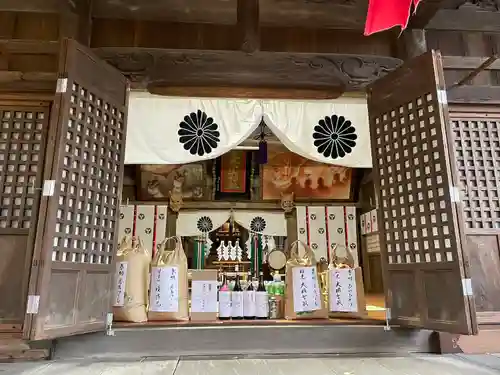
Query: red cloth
[[386, 14]]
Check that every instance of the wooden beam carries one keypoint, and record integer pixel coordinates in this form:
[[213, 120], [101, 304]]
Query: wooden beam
[[467, 63], [246, 92], [465, 20], [29, 47], [248, 24], [474, 95], [15, 81], [469, 78], [304, 71], [114, 32]]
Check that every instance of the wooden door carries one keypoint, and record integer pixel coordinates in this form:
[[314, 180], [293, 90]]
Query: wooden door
[[476, 145], [74, 265], [420, 214], [23, 138]]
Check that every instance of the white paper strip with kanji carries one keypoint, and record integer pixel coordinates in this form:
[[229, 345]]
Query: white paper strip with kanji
[[327, 131], [167, 130]]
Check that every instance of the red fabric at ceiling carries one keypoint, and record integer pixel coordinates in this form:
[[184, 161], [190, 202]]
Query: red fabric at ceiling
[[386, 14]]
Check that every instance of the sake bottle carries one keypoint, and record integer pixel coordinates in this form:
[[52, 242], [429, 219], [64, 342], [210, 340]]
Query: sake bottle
[[237, 298], [224, 299], [261, 300], [249, 300]]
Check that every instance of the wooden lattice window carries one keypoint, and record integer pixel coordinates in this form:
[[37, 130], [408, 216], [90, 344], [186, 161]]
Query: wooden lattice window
[[477, 152], [90, 172], [22, 145], [415, 207]]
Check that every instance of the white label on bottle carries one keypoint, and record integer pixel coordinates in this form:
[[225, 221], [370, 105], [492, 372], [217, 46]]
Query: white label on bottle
[[237, 304], [164, 289], [120, 282], [261, 305], [249, 303], [225, 304]]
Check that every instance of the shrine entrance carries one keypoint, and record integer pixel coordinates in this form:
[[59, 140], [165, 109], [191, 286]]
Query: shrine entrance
[[426, 280]]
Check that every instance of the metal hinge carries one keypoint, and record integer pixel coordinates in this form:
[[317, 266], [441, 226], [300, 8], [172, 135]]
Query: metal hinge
[[109, 325], [455, 194], [62, 85], [33, 304], [37, 263], [467, 287], [442, 97], [387, 326], [49, 187]]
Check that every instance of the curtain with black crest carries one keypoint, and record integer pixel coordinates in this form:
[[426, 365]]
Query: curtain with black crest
[[171, 130]]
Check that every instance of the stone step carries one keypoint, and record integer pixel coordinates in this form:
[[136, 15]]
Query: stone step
[[244, 340]]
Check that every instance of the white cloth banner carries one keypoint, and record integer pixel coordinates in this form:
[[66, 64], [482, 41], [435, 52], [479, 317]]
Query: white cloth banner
[[170, 130], [262, 222], [333, 132], [194, 223]]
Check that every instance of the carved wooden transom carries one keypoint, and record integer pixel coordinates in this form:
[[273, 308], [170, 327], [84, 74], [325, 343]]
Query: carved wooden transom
[[415, 205], [477, 152], [22, 146], [88, 193]]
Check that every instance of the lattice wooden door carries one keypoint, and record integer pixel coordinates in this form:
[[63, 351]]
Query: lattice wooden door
[[420, 216], [23, 137], [476, 145], [79, 234]]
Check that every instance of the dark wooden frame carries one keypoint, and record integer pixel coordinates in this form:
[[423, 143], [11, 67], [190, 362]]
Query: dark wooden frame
[[42, 258], [485, 112], [430, 81], [24, 104]]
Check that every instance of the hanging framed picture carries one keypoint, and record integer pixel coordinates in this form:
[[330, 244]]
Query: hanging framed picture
[[233, 176], [157, 181], [287, 172]]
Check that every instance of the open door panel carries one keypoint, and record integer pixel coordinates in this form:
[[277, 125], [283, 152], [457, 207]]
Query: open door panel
[[420, 216], [83, 179]]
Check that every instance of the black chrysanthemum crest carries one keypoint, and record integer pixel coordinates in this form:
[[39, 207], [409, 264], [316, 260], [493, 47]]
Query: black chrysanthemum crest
[[334, 137], [258, 224], [205, 224], [199, 133]]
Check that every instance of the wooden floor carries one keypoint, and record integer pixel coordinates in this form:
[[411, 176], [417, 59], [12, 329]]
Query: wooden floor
[[375, 315]]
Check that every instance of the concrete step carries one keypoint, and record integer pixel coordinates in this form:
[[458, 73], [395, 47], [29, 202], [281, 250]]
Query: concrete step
[[244, 341]]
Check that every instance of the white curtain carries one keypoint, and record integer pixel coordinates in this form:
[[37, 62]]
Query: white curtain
[[195, 223], [171, 130], [328, 131], [262, 222]]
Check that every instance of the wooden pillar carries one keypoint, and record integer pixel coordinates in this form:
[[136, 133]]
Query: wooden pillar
[[172, 223], [411, 44], [248, 25], [76, 20], [291, 229]]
